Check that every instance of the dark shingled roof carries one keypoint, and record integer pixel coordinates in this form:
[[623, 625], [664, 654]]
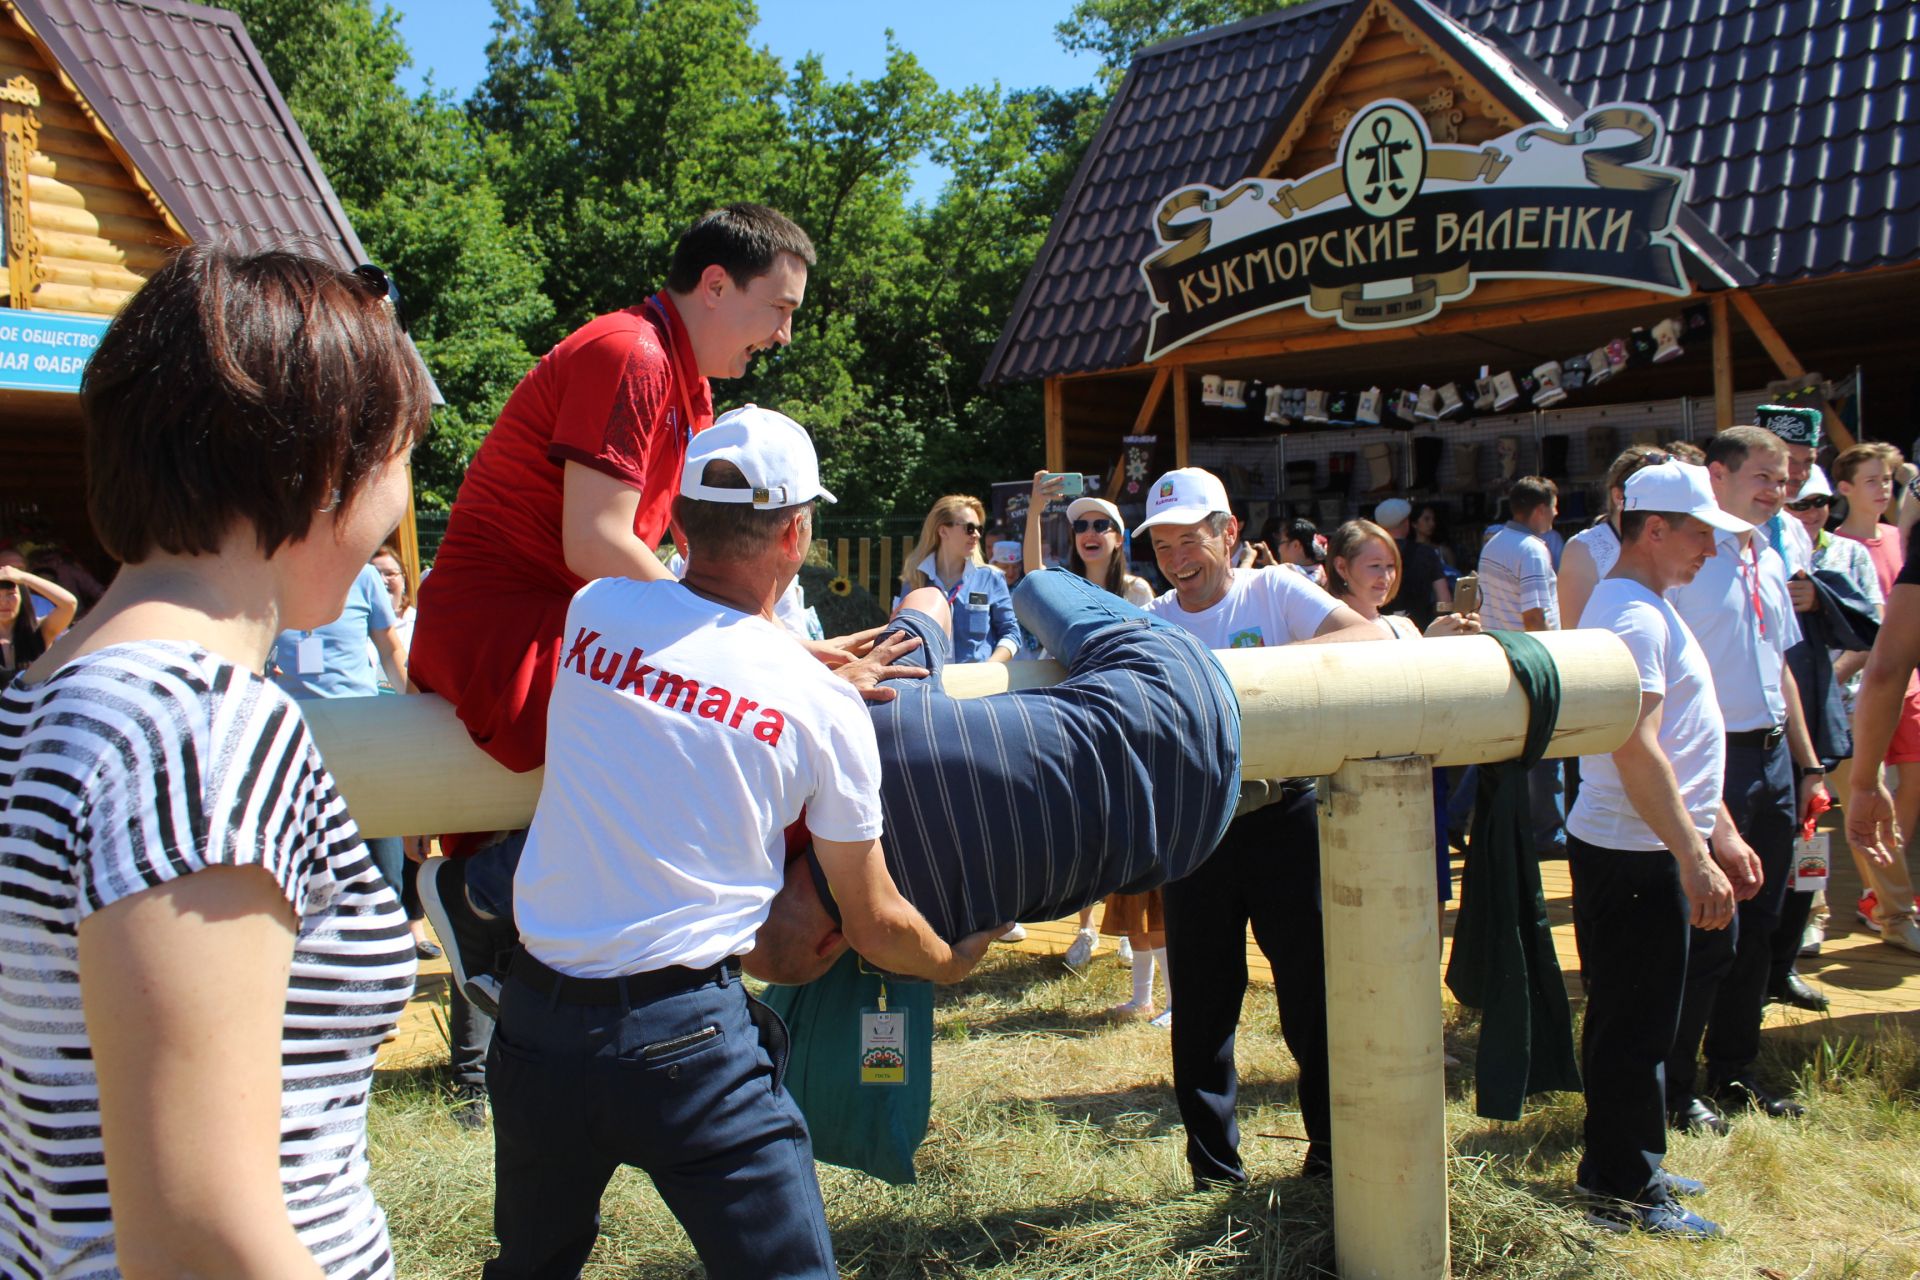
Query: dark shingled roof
[[184, 91], [1798, 119]]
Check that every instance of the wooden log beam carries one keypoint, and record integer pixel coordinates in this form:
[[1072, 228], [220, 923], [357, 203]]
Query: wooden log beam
[[407, 767], [1182, 415], [1784, 359], [1055, 410], [1151, 405], [1389, 1085], [1722, 363]]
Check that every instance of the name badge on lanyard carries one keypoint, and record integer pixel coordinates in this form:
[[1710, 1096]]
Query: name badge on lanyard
[[977, 598], [883, 1044]]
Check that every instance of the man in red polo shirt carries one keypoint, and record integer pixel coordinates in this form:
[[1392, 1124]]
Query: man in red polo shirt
[[576, 482]]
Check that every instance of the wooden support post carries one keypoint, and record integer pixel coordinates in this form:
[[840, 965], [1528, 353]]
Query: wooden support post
[[1182, 415], [885, 589], [407, 540], [1389, 1089], [1722, 363], [1784, 360], [866, 565], [843, 558], [1052, 401], [1151, 405]]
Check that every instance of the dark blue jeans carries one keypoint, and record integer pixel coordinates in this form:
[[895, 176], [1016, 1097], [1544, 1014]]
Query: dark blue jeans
[[686, 1087], [1728, 969], [1630, 918]]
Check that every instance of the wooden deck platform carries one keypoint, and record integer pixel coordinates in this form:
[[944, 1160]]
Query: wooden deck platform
[[1866, 980]]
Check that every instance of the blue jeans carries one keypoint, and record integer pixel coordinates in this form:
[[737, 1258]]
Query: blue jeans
[[685, 1086]]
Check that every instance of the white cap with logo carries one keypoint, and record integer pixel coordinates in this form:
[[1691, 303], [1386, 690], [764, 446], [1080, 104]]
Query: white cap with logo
[[1096, 506], [1679, 488], [773, 452], [1186, 496]]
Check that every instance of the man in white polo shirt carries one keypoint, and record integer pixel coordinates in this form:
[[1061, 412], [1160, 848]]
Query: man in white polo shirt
[[1651, 851], [1739, 609], [685, 733], [1266, 869], [1518, 592]]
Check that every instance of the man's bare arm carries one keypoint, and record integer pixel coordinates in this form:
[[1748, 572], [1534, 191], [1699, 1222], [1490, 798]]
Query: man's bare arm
[[596, 528]]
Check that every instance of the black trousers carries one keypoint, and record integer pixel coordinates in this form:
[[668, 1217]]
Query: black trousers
[[1265, 872], [1728, 969], [1630, 918]]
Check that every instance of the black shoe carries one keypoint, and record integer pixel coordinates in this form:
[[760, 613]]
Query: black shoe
[[1799, 993], [1742, 1091], [426, 950], [470, 941], [469, 1106], [1695, 1117]]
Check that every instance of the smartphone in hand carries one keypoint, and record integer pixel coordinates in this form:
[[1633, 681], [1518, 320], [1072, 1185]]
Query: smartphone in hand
[[1466, 593], [1072, 483]]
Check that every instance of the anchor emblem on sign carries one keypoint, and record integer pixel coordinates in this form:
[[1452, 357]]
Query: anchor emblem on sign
[[1386, 159]]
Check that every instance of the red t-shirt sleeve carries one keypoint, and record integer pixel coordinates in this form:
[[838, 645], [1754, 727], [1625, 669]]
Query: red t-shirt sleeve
[[614, 388]]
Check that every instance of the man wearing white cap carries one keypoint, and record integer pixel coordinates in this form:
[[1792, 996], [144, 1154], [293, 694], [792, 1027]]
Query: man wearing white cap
[[685, 733], [1651, 850], [1266, 870], [1739, 610]]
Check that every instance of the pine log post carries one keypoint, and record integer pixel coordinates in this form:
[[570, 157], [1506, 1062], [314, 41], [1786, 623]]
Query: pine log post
[[1371, 720]]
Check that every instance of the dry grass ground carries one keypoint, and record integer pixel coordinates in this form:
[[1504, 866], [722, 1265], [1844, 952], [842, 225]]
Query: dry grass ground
[[1056, 1152]]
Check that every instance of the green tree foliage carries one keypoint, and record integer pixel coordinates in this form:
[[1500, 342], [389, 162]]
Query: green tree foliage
[[1119, 29]]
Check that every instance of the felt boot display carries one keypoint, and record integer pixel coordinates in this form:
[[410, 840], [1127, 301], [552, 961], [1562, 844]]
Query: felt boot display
[[1316, 407], [1379, 468], [1450, 401], [1599, 366], [1507, 450], [1550, 391], [1466, 465], [1505, 391], [1666, 338], [1233, 394], [1340, 471], [1210, 390], [1276, 406], [1367, 413], [1603, 445]]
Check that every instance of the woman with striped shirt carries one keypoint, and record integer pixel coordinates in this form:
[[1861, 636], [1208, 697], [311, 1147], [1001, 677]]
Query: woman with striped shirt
[[199, 959]]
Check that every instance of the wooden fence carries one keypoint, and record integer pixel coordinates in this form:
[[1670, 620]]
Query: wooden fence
[[873, 563]]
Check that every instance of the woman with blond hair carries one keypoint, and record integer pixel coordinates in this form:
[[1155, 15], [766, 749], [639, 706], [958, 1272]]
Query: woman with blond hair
[[947, 557]]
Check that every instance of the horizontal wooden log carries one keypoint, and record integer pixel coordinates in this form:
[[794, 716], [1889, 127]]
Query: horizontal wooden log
[[79, 299], [406, 765]]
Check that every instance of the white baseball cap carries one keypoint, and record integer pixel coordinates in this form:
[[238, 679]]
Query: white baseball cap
[[1815, 487], [1679, 488], [1391, 512], [1081, 506], [1007, 551], [773, 452], [1186, 496]]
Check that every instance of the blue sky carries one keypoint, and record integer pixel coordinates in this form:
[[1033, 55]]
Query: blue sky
[[960, 43]]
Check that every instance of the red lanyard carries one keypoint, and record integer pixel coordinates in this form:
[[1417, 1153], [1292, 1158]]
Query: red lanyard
[[1753, 583]]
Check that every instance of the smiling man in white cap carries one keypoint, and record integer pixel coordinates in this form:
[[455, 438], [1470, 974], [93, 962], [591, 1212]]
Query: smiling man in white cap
[[1651, 850], [1266, 869], [686, 732]]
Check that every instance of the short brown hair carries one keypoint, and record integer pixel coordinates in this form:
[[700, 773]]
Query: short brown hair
[[254, 388], [745, 239], [1529, 494], [1345, 544], [727, 530], [1730, 448], [1848, 464], [1634, 523]]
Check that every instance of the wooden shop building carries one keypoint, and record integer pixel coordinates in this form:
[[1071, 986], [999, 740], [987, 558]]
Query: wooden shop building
[[127, 129], [1361, 247]]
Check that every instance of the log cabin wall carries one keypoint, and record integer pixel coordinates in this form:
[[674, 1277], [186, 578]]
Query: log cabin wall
[[96, 232]]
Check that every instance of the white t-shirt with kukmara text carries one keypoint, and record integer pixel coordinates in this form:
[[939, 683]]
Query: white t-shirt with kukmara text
[[1267, 606], [1692, 735], [683, 738]]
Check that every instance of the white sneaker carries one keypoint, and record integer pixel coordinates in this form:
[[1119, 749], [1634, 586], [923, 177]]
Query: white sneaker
[[1081, 949], [1904, 934], [1132, 1011], [1163, 1020], [1124, 951], [1018, 933]]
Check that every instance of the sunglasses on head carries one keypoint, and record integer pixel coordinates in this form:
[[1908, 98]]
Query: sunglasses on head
[[381, 285], [1097, 525]]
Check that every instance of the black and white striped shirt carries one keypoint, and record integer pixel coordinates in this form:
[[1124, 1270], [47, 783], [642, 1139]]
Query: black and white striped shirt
[[125, 769]]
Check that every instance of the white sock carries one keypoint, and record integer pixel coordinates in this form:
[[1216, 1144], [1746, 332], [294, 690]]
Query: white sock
[[1166, 975], [1142, 977]]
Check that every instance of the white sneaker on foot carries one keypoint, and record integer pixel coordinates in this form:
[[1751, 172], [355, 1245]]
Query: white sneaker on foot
[[1132, 1011], [1904, 934], [1018, 933], [1124, 951], [1163, 1020], [1081, 949]]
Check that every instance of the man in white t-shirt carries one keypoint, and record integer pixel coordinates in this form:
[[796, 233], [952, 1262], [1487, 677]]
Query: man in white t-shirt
[[1519, 592], [1652, 850], [684, 735], [1266, 869], [1739, 609]]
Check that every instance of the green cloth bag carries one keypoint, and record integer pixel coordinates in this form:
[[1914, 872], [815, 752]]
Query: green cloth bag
[[874, 1128]]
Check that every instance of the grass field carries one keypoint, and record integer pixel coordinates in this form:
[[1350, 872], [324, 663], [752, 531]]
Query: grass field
[[1056, 1151]]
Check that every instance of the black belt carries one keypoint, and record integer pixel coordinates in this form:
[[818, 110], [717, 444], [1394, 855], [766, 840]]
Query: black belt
[[627, 989], [1765, 739]]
